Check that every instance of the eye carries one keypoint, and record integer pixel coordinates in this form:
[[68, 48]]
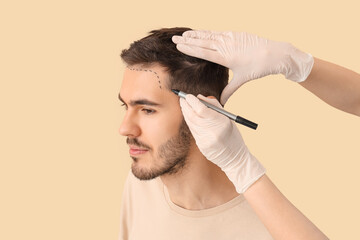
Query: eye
[[124, 105], [148, 111]]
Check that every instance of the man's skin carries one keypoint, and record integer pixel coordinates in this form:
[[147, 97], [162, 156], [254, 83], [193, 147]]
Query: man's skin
[[198, 184]]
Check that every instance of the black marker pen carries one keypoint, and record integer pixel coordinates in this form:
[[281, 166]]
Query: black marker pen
[[237, 119]]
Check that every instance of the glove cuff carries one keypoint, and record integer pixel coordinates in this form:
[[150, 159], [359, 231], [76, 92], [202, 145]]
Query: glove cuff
[[299, 65], [246, 173]]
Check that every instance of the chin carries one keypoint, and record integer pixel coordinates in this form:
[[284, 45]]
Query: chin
[[142, 173]]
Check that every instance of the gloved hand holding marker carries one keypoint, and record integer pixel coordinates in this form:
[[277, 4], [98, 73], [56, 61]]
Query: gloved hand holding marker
[[237, 119], [220, 141]]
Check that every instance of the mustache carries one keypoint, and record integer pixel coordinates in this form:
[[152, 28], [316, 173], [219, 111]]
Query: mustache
[[136, 142]]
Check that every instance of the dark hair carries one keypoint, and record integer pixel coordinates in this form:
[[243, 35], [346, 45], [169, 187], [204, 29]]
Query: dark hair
[[188, 74]]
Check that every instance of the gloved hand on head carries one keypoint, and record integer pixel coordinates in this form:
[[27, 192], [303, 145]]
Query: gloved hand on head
[[220, 141], [247, 55]]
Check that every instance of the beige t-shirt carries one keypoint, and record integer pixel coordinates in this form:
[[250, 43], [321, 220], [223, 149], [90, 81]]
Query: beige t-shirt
[[148, 213]]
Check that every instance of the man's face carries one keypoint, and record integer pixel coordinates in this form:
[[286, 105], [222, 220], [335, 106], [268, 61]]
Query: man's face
[[156, 132]]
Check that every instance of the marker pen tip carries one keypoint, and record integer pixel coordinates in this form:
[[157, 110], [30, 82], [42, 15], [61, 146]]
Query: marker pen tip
[[175, 91]]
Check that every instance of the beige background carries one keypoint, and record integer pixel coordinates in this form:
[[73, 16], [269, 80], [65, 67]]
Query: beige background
[[63, 163]]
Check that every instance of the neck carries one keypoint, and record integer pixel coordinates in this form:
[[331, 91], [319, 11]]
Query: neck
[[200, 184]]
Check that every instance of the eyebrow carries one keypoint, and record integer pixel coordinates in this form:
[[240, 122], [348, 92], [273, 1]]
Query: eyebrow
[[142, 101]]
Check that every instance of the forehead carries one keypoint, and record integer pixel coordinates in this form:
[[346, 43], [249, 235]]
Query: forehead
[[144, 81]]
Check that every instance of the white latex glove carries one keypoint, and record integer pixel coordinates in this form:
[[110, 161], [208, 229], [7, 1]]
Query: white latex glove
[[220, 141], [247, 55]]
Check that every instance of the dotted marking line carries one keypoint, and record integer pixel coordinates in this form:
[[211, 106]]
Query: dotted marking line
[[147, 70]]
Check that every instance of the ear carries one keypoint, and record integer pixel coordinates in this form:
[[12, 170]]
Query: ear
[[210, 99]]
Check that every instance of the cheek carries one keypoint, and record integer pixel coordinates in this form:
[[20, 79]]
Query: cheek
[[156, 130]]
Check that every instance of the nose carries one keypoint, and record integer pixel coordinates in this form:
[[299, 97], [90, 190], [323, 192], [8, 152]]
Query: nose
[[129, 126]]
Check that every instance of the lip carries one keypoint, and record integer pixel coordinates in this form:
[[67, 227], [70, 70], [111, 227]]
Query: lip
[[137, 151]]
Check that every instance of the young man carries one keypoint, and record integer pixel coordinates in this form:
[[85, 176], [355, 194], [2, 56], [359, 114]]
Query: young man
[[182, 186]]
